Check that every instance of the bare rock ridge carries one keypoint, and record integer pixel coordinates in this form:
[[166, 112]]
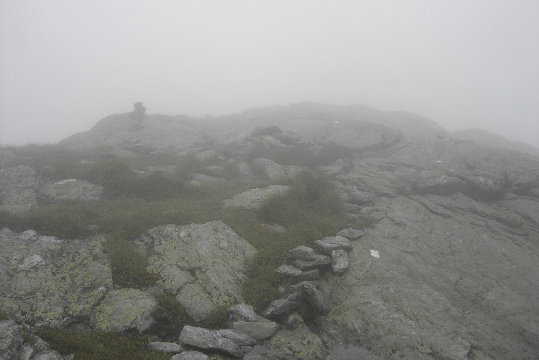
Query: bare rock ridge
[[449, 269]]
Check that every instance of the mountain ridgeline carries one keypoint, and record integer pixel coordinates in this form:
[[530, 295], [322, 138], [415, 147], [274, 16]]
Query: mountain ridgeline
[[304, 232]]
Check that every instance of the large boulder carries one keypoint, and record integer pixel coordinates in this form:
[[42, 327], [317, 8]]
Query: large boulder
[[51, 281], [124, 309], [203, 264]]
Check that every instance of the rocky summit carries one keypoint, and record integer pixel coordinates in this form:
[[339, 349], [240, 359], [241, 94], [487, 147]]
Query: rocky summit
[[291, 232]]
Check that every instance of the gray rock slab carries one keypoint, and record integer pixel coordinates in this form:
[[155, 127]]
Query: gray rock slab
[[254, 198], [328, 244], [339, 261], [220, 340], [288, 270]]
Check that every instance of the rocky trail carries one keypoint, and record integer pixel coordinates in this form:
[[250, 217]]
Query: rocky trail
[[448, 267]]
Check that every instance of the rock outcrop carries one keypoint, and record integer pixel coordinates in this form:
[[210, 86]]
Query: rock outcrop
[[202, 264]]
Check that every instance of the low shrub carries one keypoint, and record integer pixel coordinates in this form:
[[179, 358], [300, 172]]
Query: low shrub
[[128, 264], [169, 317], [217, 318], [310, 195], [99, 345]]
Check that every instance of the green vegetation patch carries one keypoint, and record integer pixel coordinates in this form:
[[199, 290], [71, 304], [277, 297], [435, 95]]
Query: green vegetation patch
[[169, 316], [100, 345]]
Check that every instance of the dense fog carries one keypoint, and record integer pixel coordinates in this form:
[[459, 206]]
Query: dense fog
[[465, 64]]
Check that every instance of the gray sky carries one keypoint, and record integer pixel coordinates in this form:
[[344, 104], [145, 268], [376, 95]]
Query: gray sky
[[65, 64]]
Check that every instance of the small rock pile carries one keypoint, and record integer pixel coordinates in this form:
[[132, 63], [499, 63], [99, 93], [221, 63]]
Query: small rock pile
[[305, 268]]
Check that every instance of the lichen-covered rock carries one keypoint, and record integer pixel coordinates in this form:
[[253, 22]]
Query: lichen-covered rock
[[73, 189], [51, 281], [203, 264], [297, 344], [19, 188], [124, 309], [10, 339], [254, 198]]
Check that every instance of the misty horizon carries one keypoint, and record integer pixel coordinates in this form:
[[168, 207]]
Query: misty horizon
[[66, 65]]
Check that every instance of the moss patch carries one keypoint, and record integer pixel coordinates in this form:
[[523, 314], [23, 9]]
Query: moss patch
[[100, 345]]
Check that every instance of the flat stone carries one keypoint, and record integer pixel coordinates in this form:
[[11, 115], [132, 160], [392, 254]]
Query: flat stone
[[258, 330], [339, 261], [328, 244], [288, 270], [350, 233], [318, 261], [242, 312], [31, 262], [284, 305], [220, 340], [165, 347], [302, 253], [191, 355]]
